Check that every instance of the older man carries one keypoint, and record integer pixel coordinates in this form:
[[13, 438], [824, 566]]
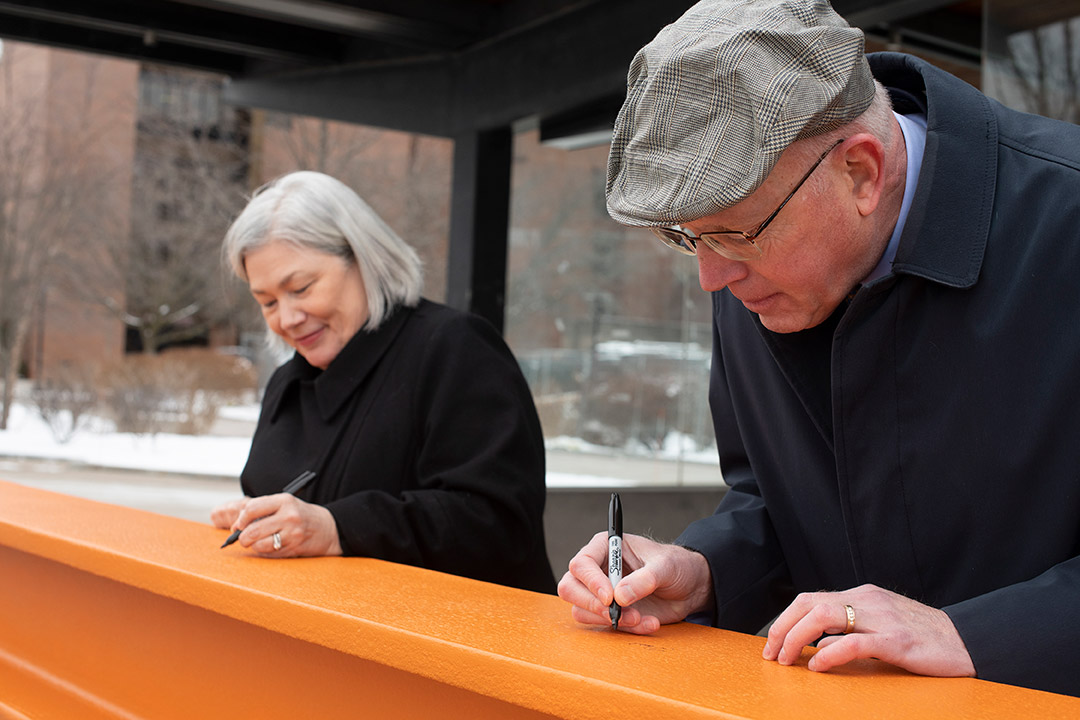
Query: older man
[[895, 267]]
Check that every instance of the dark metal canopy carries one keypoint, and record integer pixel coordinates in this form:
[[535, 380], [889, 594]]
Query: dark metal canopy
[[438, 67], [470, 70]]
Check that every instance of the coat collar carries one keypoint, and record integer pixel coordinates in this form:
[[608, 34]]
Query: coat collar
[[945, 236], [335, 385]]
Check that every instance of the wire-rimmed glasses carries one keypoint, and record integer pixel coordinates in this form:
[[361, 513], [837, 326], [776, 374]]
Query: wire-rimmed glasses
[[733, 244]]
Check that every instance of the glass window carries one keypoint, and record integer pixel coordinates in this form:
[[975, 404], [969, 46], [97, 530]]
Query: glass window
[[406, 178], [610, 327], [1032, 58]]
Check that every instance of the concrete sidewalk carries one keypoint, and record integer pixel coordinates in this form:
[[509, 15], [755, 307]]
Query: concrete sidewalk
[[185, 496]]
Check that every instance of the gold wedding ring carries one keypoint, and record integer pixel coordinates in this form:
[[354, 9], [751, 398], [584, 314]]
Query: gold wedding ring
[[850, 627]]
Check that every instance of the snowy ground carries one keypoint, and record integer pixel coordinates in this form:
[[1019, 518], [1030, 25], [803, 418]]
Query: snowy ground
[[571, 462], [28, 436]]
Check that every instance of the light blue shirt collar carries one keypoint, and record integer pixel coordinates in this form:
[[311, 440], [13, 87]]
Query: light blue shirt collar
[[914, 129]]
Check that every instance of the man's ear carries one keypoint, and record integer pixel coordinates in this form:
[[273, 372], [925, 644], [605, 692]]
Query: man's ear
[[864, 159]]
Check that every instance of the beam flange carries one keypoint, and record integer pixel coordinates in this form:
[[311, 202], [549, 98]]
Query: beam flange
[[110, 612]]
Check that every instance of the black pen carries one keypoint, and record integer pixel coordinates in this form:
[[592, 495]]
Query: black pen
[[292, 488], [614, 553]]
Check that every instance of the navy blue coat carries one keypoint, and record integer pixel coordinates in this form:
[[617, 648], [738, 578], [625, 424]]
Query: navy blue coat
[[427, 446], [927, 437]]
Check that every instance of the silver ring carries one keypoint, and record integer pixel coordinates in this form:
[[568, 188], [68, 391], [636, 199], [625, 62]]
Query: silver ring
[[277, 545], [850, 627]]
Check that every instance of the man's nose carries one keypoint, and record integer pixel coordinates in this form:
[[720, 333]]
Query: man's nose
[[716, 272]]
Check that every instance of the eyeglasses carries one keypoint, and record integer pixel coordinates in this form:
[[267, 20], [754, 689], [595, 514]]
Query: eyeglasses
[[732, 244]]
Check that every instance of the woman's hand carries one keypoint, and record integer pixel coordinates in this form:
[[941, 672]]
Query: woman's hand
[[303, 529], [665, 584], [887, 626], [225, 514]]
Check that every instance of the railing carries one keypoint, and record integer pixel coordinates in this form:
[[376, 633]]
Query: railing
[[108, 612]]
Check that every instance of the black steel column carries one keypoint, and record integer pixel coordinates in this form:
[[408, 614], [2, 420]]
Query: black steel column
[[479, 220]]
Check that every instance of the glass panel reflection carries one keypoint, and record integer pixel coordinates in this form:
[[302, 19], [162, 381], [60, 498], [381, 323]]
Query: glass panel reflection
[[610, 326], [1032, 60]]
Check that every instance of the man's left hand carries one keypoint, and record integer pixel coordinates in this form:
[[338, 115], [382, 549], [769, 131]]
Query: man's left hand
[[887, 626]]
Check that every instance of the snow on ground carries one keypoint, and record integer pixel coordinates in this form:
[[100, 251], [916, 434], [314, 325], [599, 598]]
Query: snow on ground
[[28, 436], [98, 445]]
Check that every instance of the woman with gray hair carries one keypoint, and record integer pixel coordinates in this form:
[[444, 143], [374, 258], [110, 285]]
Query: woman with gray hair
[[414, 418]]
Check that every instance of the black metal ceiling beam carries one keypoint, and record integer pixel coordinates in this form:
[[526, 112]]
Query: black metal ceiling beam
[[412, 96], [546, 68], [386, 63], [373, 21], [865, 13], [955, 35], [219, 33], [123, 46], [568, 61], [946, 29]]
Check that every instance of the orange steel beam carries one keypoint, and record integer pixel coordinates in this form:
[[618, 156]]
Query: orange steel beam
[[108, 612]]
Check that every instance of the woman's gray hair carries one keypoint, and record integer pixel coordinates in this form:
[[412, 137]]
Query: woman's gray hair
[[315, 211]]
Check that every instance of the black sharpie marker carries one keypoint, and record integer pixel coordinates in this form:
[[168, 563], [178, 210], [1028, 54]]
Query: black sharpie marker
[[614, 540]]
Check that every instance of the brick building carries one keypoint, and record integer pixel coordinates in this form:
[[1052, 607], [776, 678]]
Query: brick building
[[68, 122]]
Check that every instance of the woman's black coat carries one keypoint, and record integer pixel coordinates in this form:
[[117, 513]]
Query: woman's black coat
[[426, 443]]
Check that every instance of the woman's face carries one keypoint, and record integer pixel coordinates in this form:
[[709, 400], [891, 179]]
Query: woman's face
[[315, 301]]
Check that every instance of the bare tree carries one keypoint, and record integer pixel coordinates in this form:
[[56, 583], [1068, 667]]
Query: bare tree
[[51, 188], [325, 146], [188, 187], [189, 179], [1038, 70], [405, 178]]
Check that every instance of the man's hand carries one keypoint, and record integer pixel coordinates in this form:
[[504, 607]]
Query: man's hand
[[890, 627], [665, 583]]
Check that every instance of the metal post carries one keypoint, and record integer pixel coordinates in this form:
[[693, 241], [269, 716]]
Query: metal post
[[479, 218]]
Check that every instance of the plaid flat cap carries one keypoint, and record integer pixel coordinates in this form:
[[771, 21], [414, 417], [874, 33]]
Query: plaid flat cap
[[717, 96]]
